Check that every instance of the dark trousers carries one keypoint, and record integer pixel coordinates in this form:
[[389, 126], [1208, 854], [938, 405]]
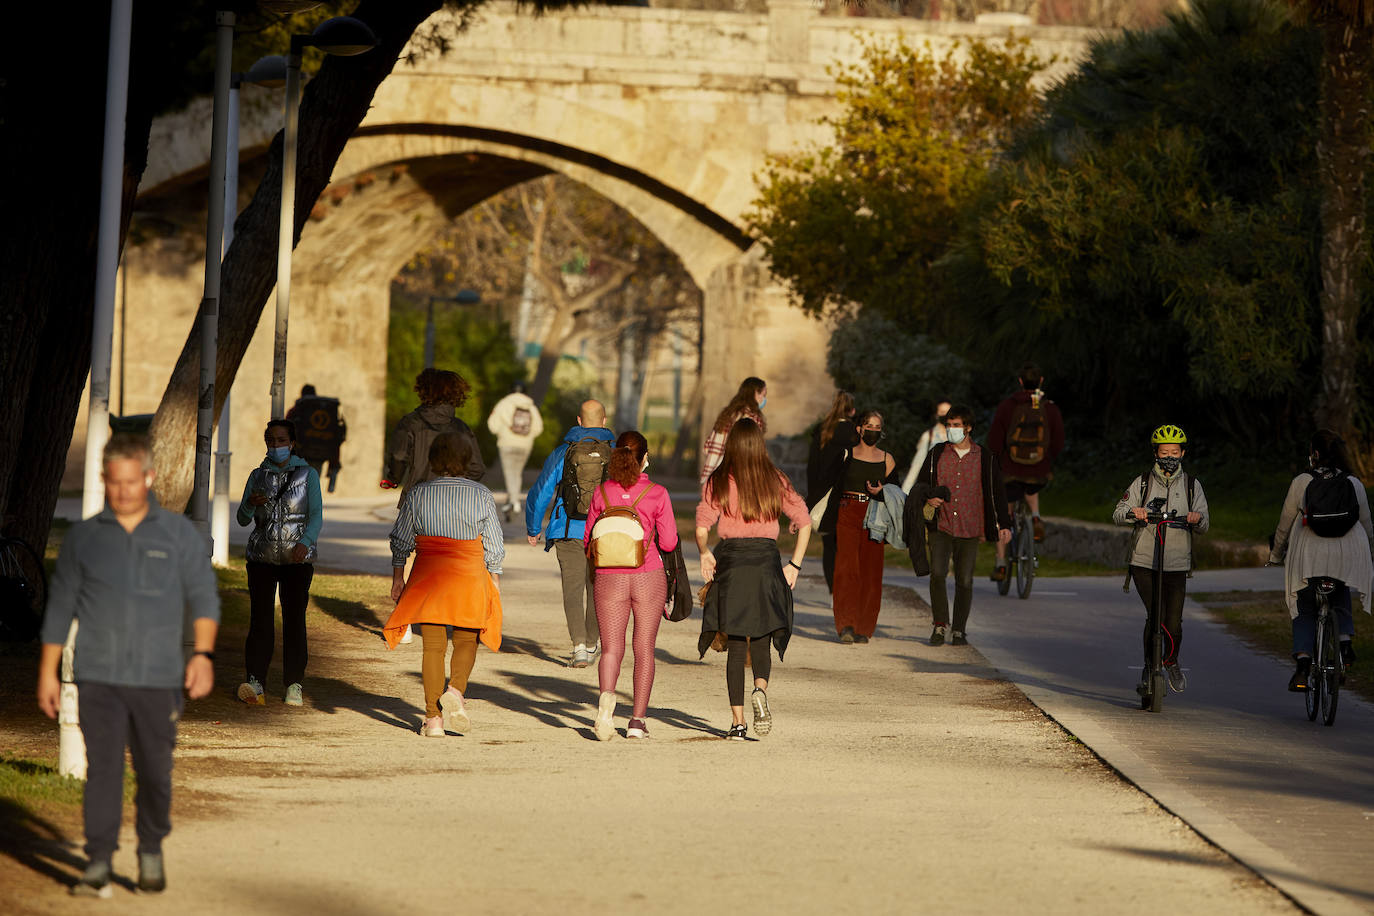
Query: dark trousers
[[265, 581], [828, 559], [945, 548], [758, 650], [144, 719], [1305, 624], [1172, 587]]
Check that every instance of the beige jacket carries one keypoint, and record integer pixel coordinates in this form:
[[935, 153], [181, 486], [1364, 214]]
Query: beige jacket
[[502, 416]]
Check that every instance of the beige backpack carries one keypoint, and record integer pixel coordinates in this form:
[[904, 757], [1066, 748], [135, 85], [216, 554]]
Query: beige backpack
[[617, 540]]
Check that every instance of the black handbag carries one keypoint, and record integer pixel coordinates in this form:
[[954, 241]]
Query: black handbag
[[679, 604]]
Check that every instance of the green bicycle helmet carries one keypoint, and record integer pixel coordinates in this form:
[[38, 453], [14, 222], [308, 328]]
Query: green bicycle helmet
[[1168, 434]]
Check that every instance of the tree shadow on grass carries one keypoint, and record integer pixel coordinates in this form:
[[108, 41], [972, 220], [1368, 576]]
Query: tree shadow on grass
[[38, 844]]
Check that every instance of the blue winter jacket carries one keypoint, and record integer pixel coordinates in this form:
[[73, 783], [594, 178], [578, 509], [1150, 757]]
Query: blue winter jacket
[[545, 490]]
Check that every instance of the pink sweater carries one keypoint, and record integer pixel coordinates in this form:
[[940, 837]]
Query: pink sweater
[[730, 525], [655, 513]]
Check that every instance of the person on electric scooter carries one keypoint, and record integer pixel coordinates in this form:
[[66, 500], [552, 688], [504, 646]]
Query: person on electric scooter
[[1333, 541], [1167, 481]]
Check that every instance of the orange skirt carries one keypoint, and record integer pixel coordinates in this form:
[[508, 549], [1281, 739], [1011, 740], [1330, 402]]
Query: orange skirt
[[449, 584]]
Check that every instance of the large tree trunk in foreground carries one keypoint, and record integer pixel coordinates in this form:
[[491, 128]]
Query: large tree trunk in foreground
[[332, 106]]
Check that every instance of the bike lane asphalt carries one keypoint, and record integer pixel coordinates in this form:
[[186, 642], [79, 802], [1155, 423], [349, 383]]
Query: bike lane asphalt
[[1234, 755]]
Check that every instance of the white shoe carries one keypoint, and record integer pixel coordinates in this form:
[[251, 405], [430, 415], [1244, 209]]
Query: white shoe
[[407, 636], [293, 695], [455, 712], [432, 727], [581, 658], [605, 722]]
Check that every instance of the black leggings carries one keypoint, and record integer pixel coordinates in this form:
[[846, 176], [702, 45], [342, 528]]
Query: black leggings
[[760, 654], [1172, 586]]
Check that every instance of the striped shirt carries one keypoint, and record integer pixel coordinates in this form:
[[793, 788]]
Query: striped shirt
[[449, 507]]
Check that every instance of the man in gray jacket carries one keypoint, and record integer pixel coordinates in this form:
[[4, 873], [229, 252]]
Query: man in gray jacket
[[138, 580]]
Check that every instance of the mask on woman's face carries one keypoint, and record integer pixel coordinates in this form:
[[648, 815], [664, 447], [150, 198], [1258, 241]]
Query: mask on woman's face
[[872, 436], [279, 455], [763, 402], [1168, 465], [956, 434]]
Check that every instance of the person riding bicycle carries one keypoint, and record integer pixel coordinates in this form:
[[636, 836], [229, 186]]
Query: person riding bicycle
[[1027, 435], [1166, 481], [1332, 541]]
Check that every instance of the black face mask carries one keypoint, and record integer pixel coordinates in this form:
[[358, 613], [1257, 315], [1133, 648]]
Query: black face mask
[[1168, 465], [872, 436]]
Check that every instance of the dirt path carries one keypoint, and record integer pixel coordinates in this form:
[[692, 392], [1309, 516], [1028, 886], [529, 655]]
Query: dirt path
[[898, 779]]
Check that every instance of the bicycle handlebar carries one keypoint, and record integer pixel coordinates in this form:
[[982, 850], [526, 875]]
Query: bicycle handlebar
[[1171, 520]]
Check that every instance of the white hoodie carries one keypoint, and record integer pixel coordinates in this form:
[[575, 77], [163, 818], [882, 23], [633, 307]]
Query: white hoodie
[[504, 413]]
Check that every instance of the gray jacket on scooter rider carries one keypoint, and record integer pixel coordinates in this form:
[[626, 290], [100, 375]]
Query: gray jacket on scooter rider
[[1178, 556]]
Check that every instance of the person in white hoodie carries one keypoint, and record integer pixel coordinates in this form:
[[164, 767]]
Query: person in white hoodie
[[516, 423]]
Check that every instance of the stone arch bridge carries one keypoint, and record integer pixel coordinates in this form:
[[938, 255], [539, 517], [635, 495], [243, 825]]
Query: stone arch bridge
[[669, 113]]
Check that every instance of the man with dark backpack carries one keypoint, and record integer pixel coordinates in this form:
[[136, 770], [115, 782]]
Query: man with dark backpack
[[1027, 434], [1324, 531], [564, 491], [320, 430]]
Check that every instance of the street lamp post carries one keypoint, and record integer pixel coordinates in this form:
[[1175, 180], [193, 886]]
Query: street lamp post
[[343, 36]]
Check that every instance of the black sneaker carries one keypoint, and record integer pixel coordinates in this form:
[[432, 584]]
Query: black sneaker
[[1177, 682], [957, 638], [763, 716], [736, 733], [94, 882], [847, 635], [1298, 682], [1347, 653], [151, 878], [937, 636], [860, 639]]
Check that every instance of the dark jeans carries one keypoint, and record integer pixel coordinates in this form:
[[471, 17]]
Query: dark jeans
[[144, 719], [963, 551], [1172, 587], [265, 581], [759, 649], [1305, 624], [828, 559]]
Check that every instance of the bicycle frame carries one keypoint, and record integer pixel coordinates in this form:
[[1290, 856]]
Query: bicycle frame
[[1021, 561]]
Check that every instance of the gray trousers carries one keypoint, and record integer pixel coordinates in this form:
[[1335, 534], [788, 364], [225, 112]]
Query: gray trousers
[[578, 604], [512, 469], [145, 720], [963, 552]]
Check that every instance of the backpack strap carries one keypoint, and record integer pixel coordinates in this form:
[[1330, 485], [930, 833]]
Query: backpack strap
[[1135, 541]]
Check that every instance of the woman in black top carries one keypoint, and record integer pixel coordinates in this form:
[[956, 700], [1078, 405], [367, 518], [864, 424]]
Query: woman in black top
[[830, 445]]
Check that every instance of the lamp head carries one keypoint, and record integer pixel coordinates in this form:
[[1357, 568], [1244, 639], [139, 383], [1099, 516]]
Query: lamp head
[[269, 71], [344, 36]]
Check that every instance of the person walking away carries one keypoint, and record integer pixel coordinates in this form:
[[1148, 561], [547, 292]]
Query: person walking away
[[624, 591], [929, 438], [282, 501], [750, 598], [1179, 492], [975, 510], [1332, 541], [453, 591], [1026, 436], [322, 431], [564, 491], [748, 401], [858, 592], [441, 393], [138, 580], [516, 423], [830, 445]]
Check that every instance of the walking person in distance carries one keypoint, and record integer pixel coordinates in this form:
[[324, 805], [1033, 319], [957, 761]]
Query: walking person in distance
[[830, 445], [748, 402]]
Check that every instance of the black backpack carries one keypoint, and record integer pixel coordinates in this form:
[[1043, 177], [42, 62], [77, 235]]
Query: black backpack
[[318, 430], [1330, 507], [584, 468]]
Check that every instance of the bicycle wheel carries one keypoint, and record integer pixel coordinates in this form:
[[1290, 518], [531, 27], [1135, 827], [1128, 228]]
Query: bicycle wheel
[[23, 591], [1330, 675], [1313, 697], [1025, 560]]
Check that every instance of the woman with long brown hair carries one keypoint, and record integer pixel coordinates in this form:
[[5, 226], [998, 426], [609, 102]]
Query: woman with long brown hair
[[747, 402], [641, 591], [830, 446], [750, 599]]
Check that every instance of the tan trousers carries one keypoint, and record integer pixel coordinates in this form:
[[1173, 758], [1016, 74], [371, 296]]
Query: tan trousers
[[435, 643]]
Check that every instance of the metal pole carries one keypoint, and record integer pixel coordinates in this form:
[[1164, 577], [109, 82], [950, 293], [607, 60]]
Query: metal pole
[[219, 510], [107, 253], [123, 324], [209, 303], [429, 336], [286, 229]]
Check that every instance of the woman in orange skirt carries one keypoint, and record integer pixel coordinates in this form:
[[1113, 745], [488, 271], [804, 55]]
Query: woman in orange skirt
[[454, 587]]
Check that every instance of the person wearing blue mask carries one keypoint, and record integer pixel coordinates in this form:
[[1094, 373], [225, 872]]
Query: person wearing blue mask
[[282, 500]]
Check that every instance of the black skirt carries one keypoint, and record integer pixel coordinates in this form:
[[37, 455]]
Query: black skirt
[[748, 596]]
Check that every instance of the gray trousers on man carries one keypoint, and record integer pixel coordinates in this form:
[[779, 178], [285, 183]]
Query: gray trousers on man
[[963, 551], [145, 720], [578, 605]]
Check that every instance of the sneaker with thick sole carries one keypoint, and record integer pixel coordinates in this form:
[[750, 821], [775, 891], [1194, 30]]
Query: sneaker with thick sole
[[94, 882], [763, 716], [294, 695], [1298, 682], [432, 727], [250, 692], [604, 727], [637, 729], [581, 658], [1177, 681], [454, 712], [957, 638], [152, 879], [736, 733], [937, 636]]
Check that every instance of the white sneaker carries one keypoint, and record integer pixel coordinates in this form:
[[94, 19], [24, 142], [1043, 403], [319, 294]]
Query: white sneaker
[[293, 695], [763, 717], [407, 636], [432, 727], [454, 711], [581, 658], [605, 722]]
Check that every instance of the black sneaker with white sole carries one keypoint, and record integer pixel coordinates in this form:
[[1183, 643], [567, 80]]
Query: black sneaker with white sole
[[736, 733], [763, 717], [1177, 682], [94, 882]]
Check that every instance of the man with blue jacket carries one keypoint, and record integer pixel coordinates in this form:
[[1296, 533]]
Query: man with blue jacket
[[138, 580], [565, 484]]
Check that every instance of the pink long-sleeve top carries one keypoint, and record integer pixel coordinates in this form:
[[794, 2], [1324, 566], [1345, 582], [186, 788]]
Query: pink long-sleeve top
[[655, 514], [730, 525]]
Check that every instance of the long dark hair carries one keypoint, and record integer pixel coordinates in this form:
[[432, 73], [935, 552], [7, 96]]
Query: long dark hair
[[627, 458], [746, 399], [758, 482], [1330, 451], [839, 412]]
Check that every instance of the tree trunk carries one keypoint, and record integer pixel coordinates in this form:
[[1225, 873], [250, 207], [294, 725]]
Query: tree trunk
[[333, 105], [1342, 157]]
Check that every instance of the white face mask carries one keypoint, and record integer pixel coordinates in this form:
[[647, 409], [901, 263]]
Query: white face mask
[[645, 466], [956, 435]]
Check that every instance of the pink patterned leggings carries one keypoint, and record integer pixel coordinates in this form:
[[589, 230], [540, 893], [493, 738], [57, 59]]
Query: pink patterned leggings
[[617, 596]]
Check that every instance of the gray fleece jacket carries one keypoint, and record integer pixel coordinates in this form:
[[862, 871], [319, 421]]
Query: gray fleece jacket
[[1178, 556]]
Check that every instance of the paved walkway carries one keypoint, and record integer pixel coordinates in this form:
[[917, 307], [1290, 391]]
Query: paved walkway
[[1234, 755]]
